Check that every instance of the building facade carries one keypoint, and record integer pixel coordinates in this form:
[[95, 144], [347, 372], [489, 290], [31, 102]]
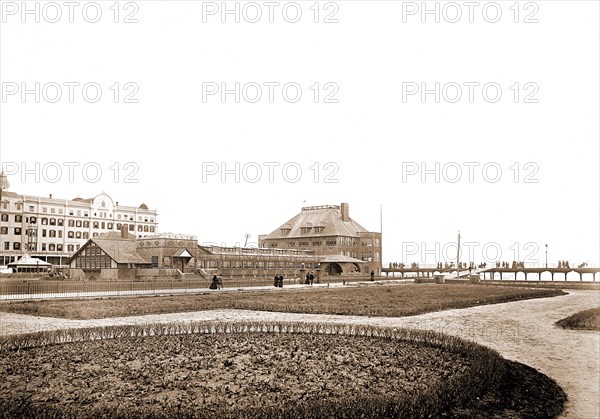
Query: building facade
[[54, 229], [342, 245]]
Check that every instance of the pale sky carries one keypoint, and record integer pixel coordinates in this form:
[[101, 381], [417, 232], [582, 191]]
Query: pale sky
[[518, 115]]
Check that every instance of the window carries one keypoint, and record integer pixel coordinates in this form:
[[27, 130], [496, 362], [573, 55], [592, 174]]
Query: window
[[285, 231], [96, 224], [140, 228], [71, 212], [70, 248], [110, 226], [4, 217], [32, 220], [59, 247], [78, 234], [86, 224], [52, 221], [19, 207], [139, 218], [17, 231], [31, 247], [52, 210], [51, 247], [85, 214], [18, 218], [79, 213], [44, 209], [43, 233], [44, 247], [60, 222], [305, 230], [95, 235], [51, 233], [119, 216], [16, 246], [131, 227], [71, 223], [330, 243], [155, 261], [71, 234], [44, 221], [145, 229], [86, 235], [5, 205], [103, 225], [60, 210], [78, 223], [3, 230], [151, 229], [119, 226], [6, 246], [60, 234], [92, 257]]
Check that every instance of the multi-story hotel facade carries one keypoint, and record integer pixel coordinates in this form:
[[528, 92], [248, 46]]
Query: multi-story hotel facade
[[54, 229]]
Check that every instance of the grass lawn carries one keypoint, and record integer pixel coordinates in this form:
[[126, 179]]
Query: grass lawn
[[583, 320], [387, 301]]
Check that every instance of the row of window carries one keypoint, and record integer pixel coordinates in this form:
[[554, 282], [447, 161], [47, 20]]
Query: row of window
[[44, 247], [59, 221], [305, 230], [18, 207], [86, 224]]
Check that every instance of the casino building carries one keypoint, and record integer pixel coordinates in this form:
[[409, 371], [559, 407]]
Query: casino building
[[341, 245]]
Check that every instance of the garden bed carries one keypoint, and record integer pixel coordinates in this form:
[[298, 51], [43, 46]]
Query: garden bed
[[254, 370]]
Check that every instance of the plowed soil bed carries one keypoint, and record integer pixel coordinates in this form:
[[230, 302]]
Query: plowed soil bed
[[241, 371]]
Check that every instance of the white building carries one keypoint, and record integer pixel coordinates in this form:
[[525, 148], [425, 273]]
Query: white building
[[53, 229]]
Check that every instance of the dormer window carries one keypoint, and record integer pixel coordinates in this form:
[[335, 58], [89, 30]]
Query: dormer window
[[285, 231], [305, 230]]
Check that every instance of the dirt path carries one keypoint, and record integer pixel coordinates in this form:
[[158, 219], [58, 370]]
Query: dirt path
[[522, 331]]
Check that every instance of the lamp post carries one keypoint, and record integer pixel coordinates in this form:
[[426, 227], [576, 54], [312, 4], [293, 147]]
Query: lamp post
[[3, 185], [546, 255]]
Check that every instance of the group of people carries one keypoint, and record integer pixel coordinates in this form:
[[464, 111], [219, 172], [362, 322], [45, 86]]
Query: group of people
[[564, 264], [278, 281], [310, 278], [216, 283]]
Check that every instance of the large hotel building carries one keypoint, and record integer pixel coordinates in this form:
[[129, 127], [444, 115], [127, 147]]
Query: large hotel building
[[54, 229]]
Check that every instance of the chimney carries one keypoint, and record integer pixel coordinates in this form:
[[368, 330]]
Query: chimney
[[50, 196], [345, 212], [124, 232]]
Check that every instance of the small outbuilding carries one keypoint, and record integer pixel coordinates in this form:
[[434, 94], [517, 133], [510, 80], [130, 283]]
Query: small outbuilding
[[30, 264]]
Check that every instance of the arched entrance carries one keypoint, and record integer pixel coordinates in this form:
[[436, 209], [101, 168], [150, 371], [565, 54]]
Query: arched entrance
[[333, 268]]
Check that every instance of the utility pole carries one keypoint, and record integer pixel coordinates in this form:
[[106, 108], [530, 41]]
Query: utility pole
[[458, 257], [247, 235]]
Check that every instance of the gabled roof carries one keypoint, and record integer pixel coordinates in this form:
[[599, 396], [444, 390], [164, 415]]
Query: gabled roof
[[327, 216], [118, 248], [182, 253]]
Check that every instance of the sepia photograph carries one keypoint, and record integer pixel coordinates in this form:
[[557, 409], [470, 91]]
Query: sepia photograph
[[300, 209]]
